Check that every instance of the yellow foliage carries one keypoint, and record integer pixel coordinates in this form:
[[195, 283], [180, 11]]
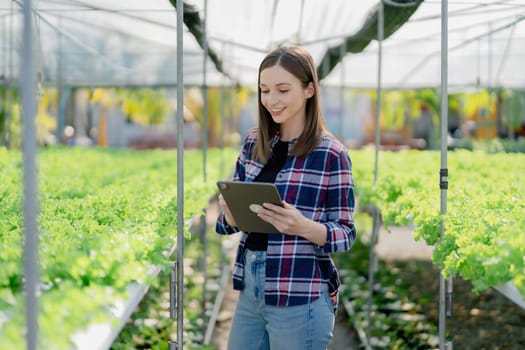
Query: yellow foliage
[[473, 103], [104, 97], [45, 125], [46, 121]]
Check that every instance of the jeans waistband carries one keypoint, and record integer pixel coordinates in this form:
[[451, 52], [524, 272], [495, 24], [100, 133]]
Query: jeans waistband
[[253, 255], [257, 256]]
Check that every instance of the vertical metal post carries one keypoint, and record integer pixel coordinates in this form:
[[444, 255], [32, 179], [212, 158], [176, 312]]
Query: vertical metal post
[[4, 77], [204, 91], [443, 344], [372, 267], [60, 64], [173, 289], [6, 137], [222, 108], [489, 75], [449, 291], [203, 226], [376, 212], [62, 105], [173, 298], [489, 56], [342, 53], [204, 263], [28, 88], [380, 35], [177, 271]]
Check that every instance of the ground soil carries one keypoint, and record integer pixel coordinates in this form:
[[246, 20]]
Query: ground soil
[[487, 320], [484, 321]]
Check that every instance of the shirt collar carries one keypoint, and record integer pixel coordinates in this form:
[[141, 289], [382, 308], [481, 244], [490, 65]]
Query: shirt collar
[[277, 137]]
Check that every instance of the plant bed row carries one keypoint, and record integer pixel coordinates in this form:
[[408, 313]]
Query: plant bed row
[[107, 218], [484, 240], [150, 326], [479, 320]]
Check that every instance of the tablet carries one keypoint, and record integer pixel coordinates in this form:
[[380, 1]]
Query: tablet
[[245, 198]]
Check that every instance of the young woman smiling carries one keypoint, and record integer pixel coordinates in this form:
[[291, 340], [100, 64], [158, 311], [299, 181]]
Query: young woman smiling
[[288, 282]]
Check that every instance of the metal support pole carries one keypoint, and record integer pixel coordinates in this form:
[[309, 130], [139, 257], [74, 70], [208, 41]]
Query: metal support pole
[[372, 267], [342, 53], [443, 181], [179, 302], [173, 298], [449, 297], [204, 264], [28, 88], [173, 289], [6, 137], [4, 77], [203, 226], [489, 58], [222, 108], [376, 212], [204, 92], [380, 34], [62, 104], [61, 93], [490, 85]]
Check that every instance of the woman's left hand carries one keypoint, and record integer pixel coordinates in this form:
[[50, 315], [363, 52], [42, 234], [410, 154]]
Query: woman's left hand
[[288, 219]]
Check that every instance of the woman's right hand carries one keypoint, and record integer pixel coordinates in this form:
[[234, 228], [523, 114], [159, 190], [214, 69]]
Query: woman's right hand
[[227, 213]]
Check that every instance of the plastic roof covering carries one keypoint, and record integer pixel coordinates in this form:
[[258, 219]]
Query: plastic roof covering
[[410, 57], [486, 47], [101, 43], [133, 42]]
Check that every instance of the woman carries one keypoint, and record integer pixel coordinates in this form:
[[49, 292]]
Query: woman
[[288, 281]]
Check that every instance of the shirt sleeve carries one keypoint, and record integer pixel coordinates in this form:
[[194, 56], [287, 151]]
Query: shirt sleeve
[[222, 227], [340, 229]]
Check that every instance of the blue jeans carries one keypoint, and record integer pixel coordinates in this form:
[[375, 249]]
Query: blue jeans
[[257, 326]]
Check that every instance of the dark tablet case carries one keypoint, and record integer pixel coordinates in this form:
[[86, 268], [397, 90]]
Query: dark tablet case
[[241, 195]]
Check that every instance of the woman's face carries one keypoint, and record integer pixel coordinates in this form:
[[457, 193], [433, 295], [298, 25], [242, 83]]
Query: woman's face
[[283, 95]]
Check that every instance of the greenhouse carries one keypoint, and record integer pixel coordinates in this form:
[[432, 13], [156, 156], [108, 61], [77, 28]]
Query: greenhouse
[[117, 120]]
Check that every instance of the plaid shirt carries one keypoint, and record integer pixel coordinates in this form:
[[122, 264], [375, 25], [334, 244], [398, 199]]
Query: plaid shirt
[[321, 187]]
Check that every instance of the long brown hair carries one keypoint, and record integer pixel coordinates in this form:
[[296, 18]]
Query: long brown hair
[[299, 63]]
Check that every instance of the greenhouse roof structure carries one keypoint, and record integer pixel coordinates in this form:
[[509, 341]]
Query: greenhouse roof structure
[[134, 42]]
